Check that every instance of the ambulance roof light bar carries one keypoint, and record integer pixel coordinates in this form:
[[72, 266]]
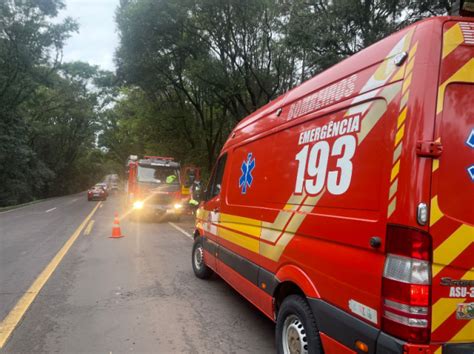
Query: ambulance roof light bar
[[158, 158]]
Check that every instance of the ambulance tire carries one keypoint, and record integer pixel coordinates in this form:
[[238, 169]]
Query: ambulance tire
[[295, 316], [201, 270]]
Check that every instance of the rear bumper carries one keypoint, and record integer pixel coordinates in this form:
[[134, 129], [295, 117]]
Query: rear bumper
[[467, 348], [96, 197], [347, 329]]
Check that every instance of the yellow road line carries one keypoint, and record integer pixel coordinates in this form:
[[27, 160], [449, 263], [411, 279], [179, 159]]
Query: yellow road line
[[9, 323], [89, 227]]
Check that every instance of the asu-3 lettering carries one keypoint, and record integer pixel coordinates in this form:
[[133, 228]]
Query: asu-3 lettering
[[459, 291]]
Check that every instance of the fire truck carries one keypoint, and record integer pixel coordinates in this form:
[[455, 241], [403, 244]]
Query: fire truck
[[154, 187]]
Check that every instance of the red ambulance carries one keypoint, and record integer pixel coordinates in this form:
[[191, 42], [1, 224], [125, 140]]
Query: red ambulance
[[343, 210]]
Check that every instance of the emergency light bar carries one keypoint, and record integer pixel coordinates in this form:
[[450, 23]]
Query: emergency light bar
[[158, 158]]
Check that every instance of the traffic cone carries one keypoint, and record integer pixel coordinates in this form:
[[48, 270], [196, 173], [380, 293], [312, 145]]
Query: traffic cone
[[116, 232]]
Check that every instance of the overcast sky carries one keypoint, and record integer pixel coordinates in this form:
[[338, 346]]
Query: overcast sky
[[97, 38]]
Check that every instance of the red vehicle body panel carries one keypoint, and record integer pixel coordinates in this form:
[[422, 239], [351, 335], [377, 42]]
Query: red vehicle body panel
[[316, 234]]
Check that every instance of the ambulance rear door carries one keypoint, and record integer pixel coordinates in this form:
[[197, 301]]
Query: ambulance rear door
[[452, 195]]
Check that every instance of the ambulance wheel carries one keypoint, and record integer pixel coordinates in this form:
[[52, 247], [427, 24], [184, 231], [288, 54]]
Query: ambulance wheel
[[201, 270], [296, 330]]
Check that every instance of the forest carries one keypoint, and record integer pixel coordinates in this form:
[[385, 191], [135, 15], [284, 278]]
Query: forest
[[187, 71]]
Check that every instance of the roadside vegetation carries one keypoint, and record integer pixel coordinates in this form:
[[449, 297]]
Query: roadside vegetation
[[187, 72]]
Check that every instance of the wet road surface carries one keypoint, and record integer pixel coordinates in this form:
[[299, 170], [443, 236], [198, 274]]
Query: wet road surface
[[133, 294]]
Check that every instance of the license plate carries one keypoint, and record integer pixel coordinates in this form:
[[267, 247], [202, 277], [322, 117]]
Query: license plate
[[465, 311], [96, 195]]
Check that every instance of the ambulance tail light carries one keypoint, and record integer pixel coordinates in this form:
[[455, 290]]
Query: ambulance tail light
[[406, 284]]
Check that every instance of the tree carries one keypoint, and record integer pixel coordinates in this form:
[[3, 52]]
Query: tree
[[49, 110], [30, 49], [203, 65], [213, 61], [344, 27]]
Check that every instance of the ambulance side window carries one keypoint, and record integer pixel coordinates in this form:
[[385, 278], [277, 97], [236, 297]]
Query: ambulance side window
[[215, 185]]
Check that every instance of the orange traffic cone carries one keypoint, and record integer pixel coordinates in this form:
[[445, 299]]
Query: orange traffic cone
[[116, 232]]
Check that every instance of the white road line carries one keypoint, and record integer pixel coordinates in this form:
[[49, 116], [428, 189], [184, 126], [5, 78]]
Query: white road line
[[185, 233], [49, 210]]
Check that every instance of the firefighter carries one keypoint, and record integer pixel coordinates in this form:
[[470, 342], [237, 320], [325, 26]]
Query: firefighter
[[171, 178], [195, 195]]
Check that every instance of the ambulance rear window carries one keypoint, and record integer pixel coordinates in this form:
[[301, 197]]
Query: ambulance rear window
[[456, 164]]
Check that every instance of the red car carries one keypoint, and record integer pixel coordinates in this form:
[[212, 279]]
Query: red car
[[343, 210], [96, 193]]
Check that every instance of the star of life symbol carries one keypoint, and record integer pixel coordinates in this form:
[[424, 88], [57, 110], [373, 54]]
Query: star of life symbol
[[246, 179], [470, 143]]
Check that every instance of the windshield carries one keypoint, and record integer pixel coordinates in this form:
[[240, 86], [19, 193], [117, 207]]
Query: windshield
[[158, 174]]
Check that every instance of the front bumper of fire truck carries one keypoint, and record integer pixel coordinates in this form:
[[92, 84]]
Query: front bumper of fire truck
[[144, 208]]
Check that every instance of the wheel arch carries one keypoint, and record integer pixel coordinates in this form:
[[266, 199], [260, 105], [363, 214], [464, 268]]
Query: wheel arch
[[293, 280]]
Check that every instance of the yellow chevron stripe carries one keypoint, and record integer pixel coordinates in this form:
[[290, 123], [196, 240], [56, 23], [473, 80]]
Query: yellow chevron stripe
[[402, 117], [435, 213], [406, 83], [466, 334], [464, 74], [395, 170], [413, 49], [410, 65], [435, 165], [442, 309], [452, 38], [399, 135], [452, 247]]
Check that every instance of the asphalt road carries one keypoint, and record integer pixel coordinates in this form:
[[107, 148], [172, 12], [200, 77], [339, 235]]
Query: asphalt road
[[133, 294]]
